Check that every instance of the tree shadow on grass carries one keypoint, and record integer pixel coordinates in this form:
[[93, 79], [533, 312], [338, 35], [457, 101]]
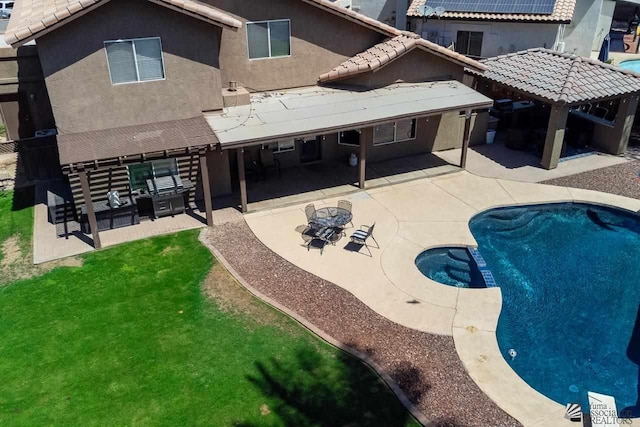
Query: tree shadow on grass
[[318, 391]]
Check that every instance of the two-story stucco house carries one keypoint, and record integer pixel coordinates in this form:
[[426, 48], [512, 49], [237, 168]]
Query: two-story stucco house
[[174, 101], [486, 29]]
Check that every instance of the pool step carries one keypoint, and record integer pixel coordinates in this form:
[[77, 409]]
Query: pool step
[[487, 276]]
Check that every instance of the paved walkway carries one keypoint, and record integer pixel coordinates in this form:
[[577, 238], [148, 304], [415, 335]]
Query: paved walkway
[[497, 161], [411, 217]]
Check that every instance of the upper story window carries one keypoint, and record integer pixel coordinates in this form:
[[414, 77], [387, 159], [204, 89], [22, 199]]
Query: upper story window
[[469, 43], [269, 39], [135, 60], [388, 133]]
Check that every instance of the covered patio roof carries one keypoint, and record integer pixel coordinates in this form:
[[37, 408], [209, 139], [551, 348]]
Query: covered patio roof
[[556, 77], [110, 144], [314, 110]]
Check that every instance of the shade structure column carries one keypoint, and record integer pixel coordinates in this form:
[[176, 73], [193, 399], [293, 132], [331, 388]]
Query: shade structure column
[[91, 213], [366, 135], [243, 180], [206, 188], [555, 136], [466, 135], [622, 125]]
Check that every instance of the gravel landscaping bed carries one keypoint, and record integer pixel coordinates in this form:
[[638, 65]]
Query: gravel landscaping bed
[[425, 366], [619, 179]]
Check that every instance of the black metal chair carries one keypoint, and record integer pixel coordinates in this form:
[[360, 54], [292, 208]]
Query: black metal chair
[[347, 206], [361, 236], [310, 211]]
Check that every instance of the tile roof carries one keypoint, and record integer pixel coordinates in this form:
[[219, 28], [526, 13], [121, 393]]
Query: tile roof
[[562, 13], [30, 18], [560, 77], [389, 50], [134, 140]]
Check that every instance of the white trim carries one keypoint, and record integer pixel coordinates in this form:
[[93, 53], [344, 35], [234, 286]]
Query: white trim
[[414, 124], [278, 149], [345, 144], [135, 60], [268, 39]]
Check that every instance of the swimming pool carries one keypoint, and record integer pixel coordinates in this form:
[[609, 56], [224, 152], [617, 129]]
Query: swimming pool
[[450, 266], [570, 280], [631, 65]]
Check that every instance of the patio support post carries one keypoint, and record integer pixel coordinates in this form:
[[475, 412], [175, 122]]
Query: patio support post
[[206, 188], [622, 125], [243, 180], [555, 136], [91, 214], [465, 138], [362, 164]]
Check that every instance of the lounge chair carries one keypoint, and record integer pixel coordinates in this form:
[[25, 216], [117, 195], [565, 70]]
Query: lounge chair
[[325, 235], [361, 236], [347, 206]]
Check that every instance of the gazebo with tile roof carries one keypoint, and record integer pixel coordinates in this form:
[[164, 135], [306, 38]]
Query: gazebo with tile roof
[[565, 82]]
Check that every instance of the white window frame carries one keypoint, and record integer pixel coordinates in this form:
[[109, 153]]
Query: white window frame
[[395, 133], [344, 143], [276, 147], [135, 60], [269, 39]]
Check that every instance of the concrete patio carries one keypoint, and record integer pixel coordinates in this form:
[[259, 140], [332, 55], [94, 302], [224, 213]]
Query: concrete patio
[[497, 161], [411, 217]]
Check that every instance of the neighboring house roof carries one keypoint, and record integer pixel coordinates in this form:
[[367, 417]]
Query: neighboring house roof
[[32, 18], [383, 53], [562, 13], [560, 77], [134, 140]]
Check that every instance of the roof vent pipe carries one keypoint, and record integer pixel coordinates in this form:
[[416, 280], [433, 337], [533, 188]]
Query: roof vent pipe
[[233, 86]]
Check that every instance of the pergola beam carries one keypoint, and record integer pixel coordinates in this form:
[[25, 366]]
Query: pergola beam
[[206, 188], [243, 180], [91, 214]]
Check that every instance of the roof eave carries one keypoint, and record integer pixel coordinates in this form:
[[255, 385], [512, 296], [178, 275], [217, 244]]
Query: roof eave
[[16, 42]]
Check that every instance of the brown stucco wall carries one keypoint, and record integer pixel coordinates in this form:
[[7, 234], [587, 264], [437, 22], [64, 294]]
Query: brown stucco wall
[[24, 101], [319, 42], [75, 67], [415, 66]]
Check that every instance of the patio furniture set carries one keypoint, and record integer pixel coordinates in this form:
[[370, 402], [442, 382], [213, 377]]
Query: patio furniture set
[[326, 226]]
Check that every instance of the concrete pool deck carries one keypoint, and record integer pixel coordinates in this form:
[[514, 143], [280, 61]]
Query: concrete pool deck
[[411, 217]]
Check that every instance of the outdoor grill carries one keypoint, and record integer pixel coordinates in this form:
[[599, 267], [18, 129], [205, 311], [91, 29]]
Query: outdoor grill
[[165, 185], [167, 195]]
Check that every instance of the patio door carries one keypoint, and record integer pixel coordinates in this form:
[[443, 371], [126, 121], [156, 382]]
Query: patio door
[[310, 150]]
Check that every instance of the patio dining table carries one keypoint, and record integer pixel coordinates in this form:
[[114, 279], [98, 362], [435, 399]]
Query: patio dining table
[[332, 217]]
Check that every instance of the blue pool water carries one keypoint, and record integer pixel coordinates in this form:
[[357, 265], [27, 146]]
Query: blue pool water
[[631, 65], [450, 266], [570, 280]]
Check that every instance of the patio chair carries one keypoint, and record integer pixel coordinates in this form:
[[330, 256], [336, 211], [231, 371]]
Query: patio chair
[[361, 236], [347, 206], [268, 161], [310, 211], [325, 235]]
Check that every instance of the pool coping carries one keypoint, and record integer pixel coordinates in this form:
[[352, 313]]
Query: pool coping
[[470, 316]]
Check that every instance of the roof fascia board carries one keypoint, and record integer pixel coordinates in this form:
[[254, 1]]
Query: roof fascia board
[[91, 8], [194, 15], [506, 20], [450, 58], [58, 24], [354, 19]]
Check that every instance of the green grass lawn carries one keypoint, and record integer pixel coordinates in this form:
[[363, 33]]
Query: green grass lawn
[[16, 216], [133, 338]]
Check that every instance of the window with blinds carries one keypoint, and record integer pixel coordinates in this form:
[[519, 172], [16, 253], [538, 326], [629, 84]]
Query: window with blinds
[[136, 60]]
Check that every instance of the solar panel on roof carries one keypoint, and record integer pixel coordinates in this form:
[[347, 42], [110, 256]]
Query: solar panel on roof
[[536, 7]]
